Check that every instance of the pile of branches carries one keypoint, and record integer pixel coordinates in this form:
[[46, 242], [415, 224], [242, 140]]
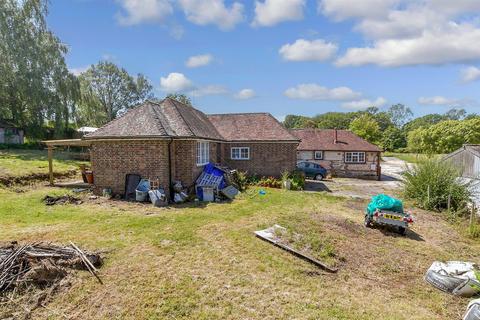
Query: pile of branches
[[42, 264], [66, 199]]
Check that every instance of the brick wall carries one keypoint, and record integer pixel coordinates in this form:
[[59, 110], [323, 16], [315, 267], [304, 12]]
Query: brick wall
[[112, 160], [334, 162], [266, 159]]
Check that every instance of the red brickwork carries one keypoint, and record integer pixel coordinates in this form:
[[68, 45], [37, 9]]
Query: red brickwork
[[266, 159], [112, 160]]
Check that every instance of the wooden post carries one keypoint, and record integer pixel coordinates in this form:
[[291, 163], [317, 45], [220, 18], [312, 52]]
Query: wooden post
[[50, 164]]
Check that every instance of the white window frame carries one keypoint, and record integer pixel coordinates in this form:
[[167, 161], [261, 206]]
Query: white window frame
[[355, 157], [315, 155], [203, 153], [240, 156]]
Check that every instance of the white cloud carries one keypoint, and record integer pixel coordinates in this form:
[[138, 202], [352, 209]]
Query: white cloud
[[140, 11], [199, 60], [470, 74], [204, 12], [272, 12], [364, 103], [304, 50], [245, 94], [79, 70], [175, 82], [312, 91], [344, 9], [209, 90], [438, 101], [457, 43]]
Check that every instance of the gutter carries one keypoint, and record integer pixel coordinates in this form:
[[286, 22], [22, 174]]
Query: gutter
[[170, 182]]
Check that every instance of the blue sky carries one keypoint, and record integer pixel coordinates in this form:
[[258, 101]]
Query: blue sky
[[285, 56]]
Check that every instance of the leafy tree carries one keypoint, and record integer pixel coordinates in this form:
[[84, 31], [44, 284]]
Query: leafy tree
[[292, 121], [366, 127], [393, 139], [108, 91], [424, 121], [383, 119], [400, 114], [183, 98], [32, 66], [334, 120], [455, 114]]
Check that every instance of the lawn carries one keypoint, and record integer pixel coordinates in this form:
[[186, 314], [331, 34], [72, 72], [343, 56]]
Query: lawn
[[23, 163], [409, 157], [203, 262]]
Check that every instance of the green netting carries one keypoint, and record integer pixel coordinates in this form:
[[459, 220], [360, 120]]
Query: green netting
[[382, 201]]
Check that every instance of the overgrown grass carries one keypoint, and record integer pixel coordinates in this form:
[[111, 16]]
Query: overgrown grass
[[411, 157], [435, 185], [199, 261], [16, 162]]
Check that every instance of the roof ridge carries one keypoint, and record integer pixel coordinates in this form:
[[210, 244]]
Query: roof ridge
[[237, 113]]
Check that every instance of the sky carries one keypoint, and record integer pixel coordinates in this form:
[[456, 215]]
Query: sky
[[285, 56]]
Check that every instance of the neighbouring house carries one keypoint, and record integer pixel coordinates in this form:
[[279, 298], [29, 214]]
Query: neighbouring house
[[341, 152], [467, 159], [172, 141], [10, 133]]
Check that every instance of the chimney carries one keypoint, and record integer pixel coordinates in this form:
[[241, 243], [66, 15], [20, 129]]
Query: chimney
[[335, 136]]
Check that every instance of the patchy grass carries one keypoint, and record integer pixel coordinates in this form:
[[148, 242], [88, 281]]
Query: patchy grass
[[24, 163], [204, 262]]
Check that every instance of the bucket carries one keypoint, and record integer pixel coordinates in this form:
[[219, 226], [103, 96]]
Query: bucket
[[141, 192], [89, 177]]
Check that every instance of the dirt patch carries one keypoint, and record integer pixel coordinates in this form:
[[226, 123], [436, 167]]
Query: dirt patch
[[29, 179], [65, 199]]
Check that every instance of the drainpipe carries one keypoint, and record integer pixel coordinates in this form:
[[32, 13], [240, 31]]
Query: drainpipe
[[335, 136], [170, 182]]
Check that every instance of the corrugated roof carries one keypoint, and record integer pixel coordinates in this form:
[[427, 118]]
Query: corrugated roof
[[250, 127], [324, 139], [168, 118]]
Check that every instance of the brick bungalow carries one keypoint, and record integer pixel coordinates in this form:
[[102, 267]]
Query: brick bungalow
[[341, 152], [10, 133], [172, 141]]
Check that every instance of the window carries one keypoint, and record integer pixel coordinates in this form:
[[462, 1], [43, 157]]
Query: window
[[318, 155], [240, 153], [355, 157], [203, 153]]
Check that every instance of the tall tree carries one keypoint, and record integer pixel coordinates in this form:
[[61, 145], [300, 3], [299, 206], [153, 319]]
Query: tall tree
[[400, 114], [456, 114], [110, 91], [366, 127], [32, 61], [183, 98]]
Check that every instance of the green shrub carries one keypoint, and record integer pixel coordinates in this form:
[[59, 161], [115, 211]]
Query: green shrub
[[240, 180], [270, 182], [431, 182], [296, 178]]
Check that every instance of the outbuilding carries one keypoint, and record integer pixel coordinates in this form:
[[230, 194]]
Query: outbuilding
[[341, 152]]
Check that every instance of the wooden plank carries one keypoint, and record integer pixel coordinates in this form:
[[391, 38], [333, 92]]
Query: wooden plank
[[50, 164], [68, 142], [298, 253]]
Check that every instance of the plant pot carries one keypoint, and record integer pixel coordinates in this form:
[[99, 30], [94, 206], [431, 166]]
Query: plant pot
[[89, 176]]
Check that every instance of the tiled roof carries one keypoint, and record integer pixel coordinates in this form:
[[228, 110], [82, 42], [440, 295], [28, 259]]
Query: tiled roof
[[324, 139], [250, 127], [168, 118]]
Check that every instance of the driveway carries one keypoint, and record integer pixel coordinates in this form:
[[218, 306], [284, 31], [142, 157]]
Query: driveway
[[363, 189]]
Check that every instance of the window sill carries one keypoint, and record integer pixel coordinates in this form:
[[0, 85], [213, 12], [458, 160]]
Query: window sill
[[240, 159], [201, 164]]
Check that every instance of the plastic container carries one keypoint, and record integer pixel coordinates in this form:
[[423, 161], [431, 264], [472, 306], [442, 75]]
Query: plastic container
[[158, 197], [141, 192], [205, 194]]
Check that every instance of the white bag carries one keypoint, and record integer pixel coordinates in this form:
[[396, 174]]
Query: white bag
[[455, 277]]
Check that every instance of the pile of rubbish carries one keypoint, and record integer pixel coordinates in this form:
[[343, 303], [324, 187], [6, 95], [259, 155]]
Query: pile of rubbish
[[42, 264], [384, 202], [460, 279], [65, 199], [214, 184]]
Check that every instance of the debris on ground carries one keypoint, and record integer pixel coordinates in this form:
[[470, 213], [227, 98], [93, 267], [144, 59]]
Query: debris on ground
[[41, 264], [473, 310], [65, 199], [454, 277], [272, 235], [214, 184], [31, 273]]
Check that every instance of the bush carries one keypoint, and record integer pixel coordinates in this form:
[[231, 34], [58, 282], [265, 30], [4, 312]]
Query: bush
[[431, 182], [270, 182], [296, 178], [240, 180]]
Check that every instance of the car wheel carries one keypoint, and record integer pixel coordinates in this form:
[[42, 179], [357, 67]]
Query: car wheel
[[402, 231], [319, 177], [368, 221]]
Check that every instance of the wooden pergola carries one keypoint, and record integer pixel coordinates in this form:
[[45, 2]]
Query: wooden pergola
[[52, 144]]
